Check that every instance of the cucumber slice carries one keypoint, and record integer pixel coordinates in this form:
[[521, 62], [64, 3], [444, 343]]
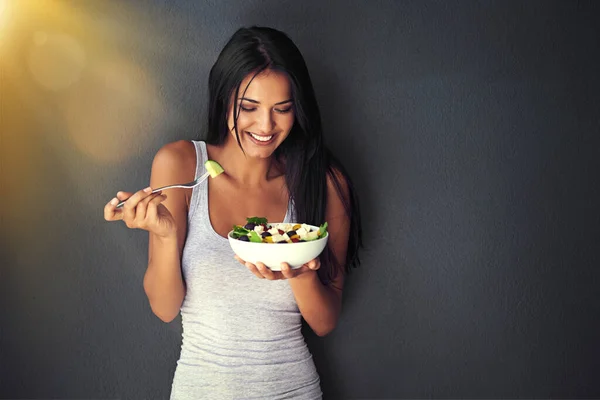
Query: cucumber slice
[[213, 168], [255, 237]]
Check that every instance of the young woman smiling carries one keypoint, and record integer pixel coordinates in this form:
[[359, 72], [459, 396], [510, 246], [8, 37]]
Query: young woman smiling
[[242, 322]]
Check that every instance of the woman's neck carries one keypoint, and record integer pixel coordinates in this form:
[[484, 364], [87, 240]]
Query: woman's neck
[[245, 170]]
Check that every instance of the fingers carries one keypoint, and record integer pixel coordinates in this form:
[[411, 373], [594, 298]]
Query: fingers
[[240, 260], [260, 270], [314, 264], [290, 273], [253, 268], [142, 218], [111, 212], [287, 272], [129, 208], [139, 209], [266, 272], [123, 195], [152, 208], [263, 272]]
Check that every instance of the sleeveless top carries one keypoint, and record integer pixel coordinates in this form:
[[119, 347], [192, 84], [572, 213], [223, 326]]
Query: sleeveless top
[[241, 335]]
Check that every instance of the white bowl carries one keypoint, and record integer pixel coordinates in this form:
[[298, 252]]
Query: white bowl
[[273, 254]]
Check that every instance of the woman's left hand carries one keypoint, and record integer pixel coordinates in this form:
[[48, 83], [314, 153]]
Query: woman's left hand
[[261, 271]]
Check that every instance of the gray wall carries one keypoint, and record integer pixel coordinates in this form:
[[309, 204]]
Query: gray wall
[[470, 129]]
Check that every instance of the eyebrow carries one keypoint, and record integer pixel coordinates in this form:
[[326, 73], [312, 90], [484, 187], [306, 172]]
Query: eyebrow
[[258, 102]]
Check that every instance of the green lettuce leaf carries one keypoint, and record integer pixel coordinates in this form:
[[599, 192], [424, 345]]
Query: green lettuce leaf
[[323, 229], [255, 237], [239, 231], [256, 220]]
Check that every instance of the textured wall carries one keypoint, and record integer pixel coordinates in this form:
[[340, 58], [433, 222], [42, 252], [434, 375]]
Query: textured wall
[[470, 129]]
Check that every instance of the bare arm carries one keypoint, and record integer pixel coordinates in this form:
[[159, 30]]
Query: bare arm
[[163, 281], [320, 304], [165, 218]]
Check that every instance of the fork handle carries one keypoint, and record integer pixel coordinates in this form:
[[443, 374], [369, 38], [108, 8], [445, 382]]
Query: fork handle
[[184, 186], [154, 191]]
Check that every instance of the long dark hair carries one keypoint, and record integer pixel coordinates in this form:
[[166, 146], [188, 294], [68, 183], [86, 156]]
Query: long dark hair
[[307, 161]]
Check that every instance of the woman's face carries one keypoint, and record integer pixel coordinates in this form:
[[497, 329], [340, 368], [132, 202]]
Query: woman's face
[[266, 113]]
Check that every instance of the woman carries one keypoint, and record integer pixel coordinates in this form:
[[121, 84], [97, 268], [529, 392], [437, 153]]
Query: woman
[[241, 333]]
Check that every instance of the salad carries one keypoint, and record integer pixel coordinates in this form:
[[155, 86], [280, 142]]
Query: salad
[[259, 230]]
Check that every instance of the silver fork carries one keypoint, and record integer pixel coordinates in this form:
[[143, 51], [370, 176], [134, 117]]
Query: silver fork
[[188, 185]]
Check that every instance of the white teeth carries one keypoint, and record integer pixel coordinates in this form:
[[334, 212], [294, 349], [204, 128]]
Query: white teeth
[[261, 138]]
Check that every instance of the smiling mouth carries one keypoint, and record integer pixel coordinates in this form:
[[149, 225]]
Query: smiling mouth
[[262, 139]]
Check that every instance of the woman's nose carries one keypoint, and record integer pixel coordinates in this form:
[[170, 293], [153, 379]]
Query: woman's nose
[[265, 122]]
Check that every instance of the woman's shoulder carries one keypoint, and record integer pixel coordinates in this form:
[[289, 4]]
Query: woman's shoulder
[[180, 151], [177, 158]]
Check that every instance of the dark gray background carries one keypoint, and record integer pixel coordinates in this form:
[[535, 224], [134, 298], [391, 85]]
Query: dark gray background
[[470, 129]]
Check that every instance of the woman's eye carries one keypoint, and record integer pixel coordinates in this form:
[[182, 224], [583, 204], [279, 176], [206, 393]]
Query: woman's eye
[[247, 109], [283, 111]]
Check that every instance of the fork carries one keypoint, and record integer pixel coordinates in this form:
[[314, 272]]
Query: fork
[[188, 185]]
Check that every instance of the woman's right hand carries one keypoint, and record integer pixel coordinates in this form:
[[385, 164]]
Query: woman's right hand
[[142, 210]]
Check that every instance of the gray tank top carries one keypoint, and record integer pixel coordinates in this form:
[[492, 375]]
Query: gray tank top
[[241, 335]]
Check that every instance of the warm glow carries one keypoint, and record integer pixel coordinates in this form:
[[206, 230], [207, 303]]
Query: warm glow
[[72, 81], [55, 60], [76, 93], [112, 112], [3, 18]]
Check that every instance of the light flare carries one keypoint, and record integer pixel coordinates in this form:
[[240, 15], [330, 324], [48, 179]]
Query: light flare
[[113, 111], [56, 60]]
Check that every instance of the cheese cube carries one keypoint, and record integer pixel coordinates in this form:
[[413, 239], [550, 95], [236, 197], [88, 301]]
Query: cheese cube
[[277, 238], [285, 227], [301, 232]]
